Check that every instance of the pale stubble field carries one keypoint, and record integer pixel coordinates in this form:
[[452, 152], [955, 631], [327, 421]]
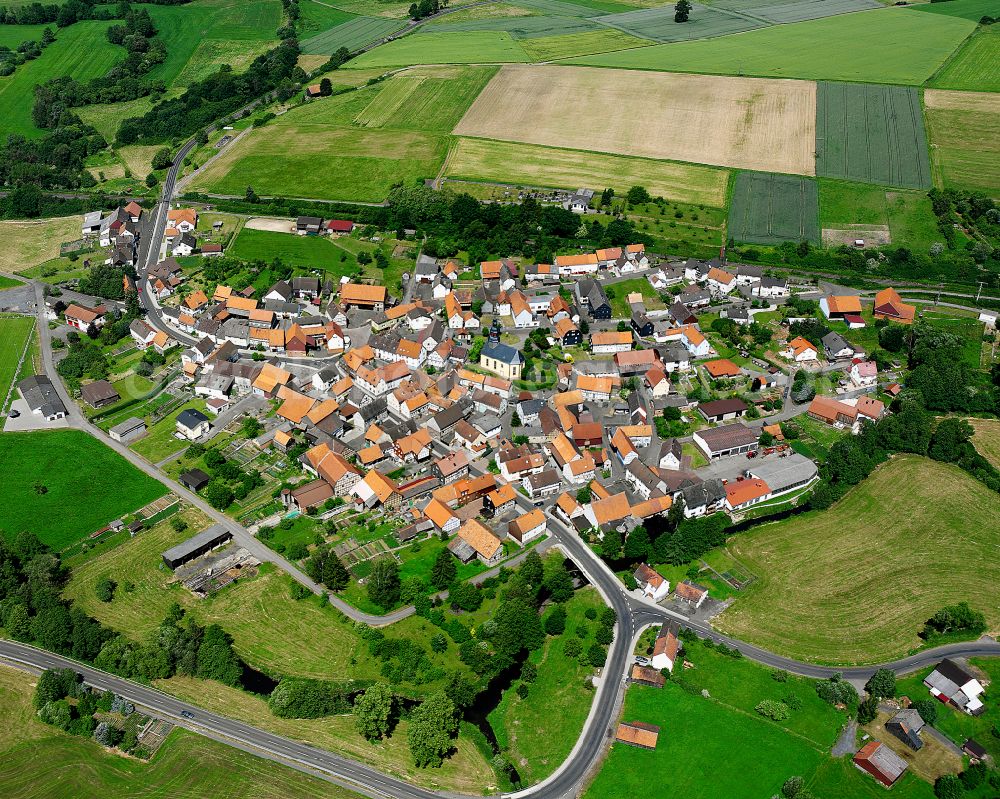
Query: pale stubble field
[[747, 123]]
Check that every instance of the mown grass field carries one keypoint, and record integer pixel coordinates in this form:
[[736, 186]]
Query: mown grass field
[[382, 134], [42, 762], [12, 35], [86, 485], [475, 47], [913, 537], [518, 26], [539, 731], [769, 208], [964, 128], [907, 214], [29, 243], [966, 9], [210, 54], [533, 165], [976, 65], [802, 10], [889, 45], [987, 439], [353, 34], [871, 134], [318, 17], [81, 50]]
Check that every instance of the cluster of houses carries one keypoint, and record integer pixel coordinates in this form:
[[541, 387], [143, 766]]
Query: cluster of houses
[[950, 683]]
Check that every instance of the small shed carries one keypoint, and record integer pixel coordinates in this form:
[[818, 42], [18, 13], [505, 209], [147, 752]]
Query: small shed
[[637, 733], [195, 479], [196, 546]]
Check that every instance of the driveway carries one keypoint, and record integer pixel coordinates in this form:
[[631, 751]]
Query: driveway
[[29, 421]]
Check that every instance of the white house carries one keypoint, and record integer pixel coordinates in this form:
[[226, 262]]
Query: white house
[[666, 647], [770, 287], [799, 350], [864, 373], [192, 424], [528, 526], [652, 584]]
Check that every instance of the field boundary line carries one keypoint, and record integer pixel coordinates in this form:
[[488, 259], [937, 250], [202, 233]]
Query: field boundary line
[[929, 83], [20, 361]]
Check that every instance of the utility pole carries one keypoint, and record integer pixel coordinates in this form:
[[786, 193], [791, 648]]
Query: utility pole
[[979, 291]]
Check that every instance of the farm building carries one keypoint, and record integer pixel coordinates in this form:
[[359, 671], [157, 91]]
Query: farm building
[[906, 725], [723, 410], [722, 442], [784, 475], [196, 546], [837, 307], [635, 733], [42, 397], [128, 431], [99, 393], [881, 762], [644, 675], [951, 683], [889, 305]]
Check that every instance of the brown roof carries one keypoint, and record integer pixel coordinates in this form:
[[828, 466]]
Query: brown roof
[[361, 292], [647, 674], [638, 734], [745, 491], [479, 538], [844, 304], [889, 303], [526, 523], [689, 591], [832, 410], [612, 509], [722, 368], [87, 315], [611, 337], [667, 643]]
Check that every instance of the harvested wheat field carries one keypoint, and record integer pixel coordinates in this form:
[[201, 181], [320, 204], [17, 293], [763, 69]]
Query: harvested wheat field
[[749, 123]]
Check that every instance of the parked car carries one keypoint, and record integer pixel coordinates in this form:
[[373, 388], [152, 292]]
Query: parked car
[[642, 661]]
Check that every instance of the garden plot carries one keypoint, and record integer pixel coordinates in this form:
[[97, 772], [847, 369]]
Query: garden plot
[[741, 122], [872, 134], [770, 209]]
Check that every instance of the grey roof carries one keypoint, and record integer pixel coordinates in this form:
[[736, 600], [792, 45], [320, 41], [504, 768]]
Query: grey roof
[[530, 407], [544, 478], [749, 270], [948, 678], [728, 437], [780, 473], [707, 492], [214, 533], [834, 342], [503, 353], [773, 282], [671, 446], [41, 395], [191, 418], [888, 762], [130, 424], [203, 345], [679, 312], [99, 391], [673, 352]]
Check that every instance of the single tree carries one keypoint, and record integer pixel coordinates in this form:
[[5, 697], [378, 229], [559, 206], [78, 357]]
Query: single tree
[[444, 571], [433, 725], [383, 583], [882, 684], [325, 87], [335, 574], [105, 589], [682, 11], [868, 710], [373, 712]]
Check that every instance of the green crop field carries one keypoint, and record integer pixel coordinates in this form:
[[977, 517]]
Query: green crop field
[[42, 762], [534, 165], [185, 28], [107, 118], [964, 128], [813, 568], [549, 48], [767, 209], [519, 27], [210, 54], [14, 334], [976, 65], [63, 485], [907, 214], [319, 17], [658, 23], [889, 45], [871, 134], [802, 10], [81, 50], [475, 47], [967, 9], [353, 34], [412, 112]]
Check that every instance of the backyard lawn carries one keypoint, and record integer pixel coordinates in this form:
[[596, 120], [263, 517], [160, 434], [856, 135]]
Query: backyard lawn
[[159, 441], [903, 539], [63, 485], [14, 334]]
